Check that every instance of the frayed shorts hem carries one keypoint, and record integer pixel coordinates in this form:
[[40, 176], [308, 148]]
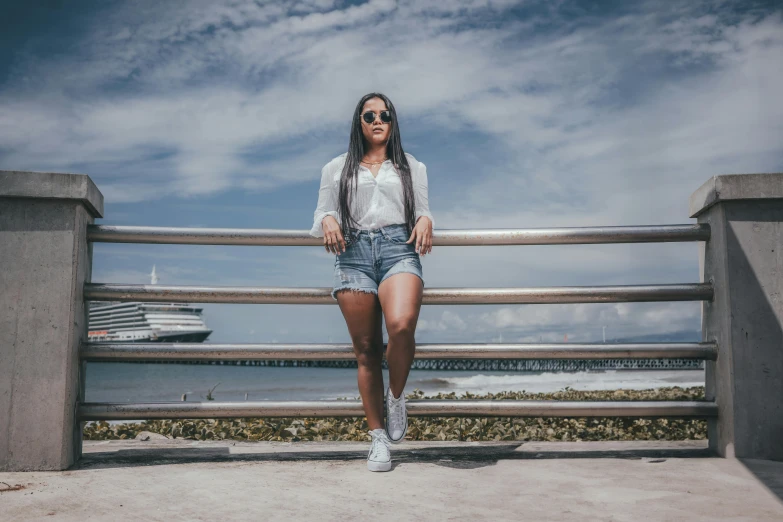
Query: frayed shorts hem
[[355, 288], [402, 267]]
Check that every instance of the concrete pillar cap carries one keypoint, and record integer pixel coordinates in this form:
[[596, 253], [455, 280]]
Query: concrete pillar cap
[[51, 185], [735, 187]]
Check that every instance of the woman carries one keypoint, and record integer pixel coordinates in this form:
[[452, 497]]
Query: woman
[[373, 213]]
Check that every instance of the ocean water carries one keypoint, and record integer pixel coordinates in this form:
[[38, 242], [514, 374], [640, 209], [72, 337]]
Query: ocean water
[[150, 382]]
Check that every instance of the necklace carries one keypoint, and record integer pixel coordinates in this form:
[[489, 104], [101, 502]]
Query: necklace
[[373, 164]]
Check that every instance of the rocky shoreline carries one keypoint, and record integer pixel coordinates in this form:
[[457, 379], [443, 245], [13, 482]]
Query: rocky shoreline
[[440, 428]]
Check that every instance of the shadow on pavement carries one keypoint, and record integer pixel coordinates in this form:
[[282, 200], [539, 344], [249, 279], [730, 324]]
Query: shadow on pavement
[[768, 472], [448, 456]]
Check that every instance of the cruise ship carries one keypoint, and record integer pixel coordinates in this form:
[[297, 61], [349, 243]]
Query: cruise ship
[[138, 322]]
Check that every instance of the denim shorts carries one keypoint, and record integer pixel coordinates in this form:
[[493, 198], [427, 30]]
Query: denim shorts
[[372, 256]]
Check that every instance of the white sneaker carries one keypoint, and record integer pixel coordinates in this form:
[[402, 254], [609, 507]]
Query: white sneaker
[[396, 417], [379, 457]]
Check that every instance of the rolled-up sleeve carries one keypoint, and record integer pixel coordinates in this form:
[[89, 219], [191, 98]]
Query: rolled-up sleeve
[[421, 193], [327, 202]]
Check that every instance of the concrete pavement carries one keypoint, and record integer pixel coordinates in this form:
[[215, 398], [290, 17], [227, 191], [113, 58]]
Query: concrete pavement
[[202, 480]]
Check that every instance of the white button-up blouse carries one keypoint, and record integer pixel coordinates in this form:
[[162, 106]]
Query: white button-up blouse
[[378, 201]]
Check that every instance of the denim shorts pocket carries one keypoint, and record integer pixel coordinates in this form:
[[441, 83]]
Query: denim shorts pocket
[[398, 236]]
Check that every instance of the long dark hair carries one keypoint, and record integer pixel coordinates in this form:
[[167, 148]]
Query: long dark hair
[[356, 151]]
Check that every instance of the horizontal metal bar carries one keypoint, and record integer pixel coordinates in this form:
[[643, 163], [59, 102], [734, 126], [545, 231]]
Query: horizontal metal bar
[[340, 352], [422, 408], [454, 296], [508, 236]]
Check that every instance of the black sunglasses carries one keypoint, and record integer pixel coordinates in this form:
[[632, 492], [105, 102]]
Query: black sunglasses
[[369, 116]]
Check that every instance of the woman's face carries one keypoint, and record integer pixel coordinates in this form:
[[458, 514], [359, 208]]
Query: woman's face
[[377, 132]]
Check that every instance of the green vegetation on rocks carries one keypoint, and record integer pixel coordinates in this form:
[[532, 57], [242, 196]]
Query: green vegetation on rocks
[[441, 428]]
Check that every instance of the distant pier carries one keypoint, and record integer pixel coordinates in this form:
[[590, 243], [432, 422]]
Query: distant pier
[[518, 365]]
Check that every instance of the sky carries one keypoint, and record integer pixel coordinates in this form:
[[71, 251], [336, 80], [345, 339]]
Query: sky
[[527, 114]]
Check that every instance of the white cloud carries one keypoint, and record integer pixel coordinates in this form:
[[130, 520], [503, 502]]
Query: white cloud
[[551, 323], [552, 98], [594, 121], [641, 318], [449, 320]]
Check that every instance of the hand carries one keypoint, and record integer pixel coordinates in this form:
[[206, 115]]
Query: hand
[[422, 233], [333, 236]]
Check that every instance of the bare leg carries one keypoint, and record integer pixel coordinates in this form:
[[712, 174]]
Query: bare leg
[[400, 296], [362, 312]]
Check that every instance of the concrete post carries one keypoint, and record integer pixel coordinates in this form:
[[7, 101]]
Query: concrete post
[[744, 260], [44, 263]]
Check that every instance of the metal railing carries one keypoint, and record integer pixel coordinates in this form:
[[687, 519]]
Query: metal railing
[[454, 296], [107, 351], [274, 237], [418, 408]]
